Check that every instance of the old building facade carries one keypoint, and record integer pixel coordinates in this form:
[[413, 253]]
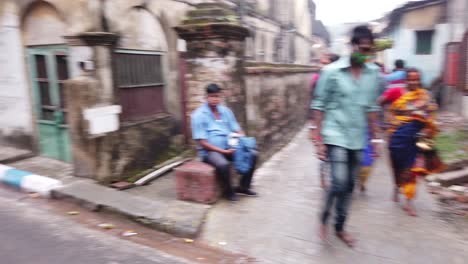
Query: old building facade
[[419, 31], [133, 58]]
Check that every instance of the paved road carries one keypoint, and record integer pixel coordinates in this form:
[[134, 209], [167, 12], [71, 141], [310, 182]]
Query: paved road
[[34, 236], [281, 225]]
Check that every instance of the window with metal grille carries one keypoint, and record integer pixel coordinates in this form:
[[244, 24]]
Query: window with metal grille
[[139, 78], [424, 42]]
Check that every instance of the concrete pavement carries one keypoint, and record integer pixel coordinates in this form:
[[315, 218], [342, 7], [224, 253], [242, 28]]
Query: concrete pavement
[[34, 236], [9, 154], [157, 208], [281, 225], [175, 217]]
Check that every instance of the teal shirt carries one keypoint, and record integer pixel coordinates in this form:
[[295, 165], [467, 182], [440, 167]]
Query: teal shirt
[[345, 102]]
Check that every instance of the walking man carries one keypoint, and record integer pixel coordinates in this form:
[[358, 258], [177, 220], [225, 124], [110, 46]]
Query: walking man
[[212, 123], [330, 58], [345, 105]]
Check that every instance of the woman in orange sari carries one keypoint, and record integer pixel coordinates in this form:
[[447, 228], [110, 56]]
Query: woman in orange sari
[[412, 126]]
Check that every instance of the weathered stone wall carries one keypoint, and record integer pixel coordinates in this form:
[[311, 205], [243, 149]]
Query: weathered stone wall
[[136, 145], [121, 154], [16, 127], [271, 42], [159, 17], [264, 34], [270, 101], [277, 104], [215, 61]]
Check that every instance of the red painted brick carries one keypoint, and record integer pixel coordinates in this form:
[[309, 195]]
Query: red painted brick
[[196, 181]]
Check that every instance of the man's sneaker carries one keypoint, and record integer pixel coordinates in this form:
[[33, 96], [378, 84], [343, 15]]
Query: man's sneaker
[[247, 192]]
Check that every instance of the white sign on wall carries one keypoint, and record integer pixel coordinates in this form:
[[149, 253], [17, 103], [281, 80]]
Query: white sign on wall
[[103, 119]]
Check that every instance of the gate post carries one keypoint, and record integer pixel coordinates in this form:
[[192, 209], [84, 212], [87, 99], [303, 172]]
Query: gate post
[[215, 51], [86, 89]]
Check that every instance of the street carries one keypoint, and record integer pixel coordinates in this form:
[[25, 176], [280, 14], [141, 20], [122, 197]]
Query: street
[[34, 236], [37, 232], [191, 131], [281, 226]]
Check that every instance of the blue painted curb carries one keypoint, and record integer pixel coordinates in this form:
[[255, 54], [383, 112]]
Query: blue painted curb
[[27, 181]]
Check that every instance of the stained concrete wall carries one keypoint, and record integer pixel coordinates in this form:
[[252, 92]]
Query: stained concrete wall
[[404, 37], [303, 17], [211, 65], [28, 22], [16, 126], [277, 104], [422, 18], [458, 18], [263, 38], [23, 23], [162, 16], [137, 145]]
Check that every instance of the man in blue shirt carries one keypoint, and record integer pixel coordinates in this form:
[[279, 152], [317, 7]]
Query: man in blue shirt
[[345, 107], [398, 76], [211, 125]]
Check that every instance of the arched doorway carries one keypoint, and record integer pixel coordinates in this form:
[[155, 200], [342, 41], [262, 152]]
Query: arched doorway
[[141, 54], [42, 29]]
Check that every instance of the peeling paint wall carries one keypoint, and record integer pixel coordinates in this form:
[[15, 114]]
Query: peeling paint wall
[[43, 26], [404, 38], [423, 18], [141, 25], [277, 107], [16, 125]]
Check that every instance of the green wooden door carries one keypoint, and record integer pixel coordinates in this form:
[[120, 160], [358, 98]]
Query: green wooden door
[[49, 69]]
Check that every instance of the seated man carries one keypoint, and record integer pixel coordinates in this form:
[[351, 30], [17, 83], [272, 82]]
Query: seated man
[[211, 125]]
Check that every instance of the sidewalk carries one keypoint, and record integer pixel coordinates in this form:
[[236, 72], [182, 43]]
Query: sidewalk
[[33, 174], [47, 167], [154, 205], [281, 225], [9, 154]]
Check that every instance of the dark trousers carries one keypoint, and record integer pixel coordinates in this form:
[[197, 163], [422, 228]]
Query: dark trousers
[[344, 165], [222, 164]]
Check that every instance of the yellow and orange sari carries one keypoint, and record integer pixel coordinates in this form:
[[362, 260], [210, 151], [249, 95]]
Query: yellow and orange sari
[[413, 117]]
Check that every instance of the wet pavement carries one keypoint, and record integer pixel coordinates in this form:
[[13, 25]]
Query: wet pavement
[[281, 225], [38, 236], [37, 230]]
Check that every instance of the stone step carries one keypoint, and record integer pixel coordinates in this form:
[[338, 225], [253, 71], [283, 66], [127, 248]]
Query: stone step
[[9, 154], [178, 218], [453, 178]]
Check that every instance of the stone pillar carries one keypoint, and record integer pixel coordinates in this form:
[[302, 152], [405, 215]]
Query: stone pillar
[[91, 88], [215, 50]]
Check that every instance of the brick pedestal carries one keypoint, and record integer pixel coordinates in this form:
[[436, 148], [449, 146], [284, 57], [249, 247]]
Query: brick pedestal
[[196, 181]]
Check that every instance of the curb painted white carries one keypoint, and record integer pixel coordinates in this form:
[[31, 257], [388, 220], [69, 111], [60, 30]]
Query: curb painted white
[[28, 181], [40, 184]]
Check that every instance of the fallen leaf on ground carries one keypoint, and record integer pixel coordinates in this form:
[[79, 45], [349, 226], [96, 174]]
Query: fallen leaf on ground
[[34, 195], [129, 233], [73, 213], [188, 240], [106, 226]]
